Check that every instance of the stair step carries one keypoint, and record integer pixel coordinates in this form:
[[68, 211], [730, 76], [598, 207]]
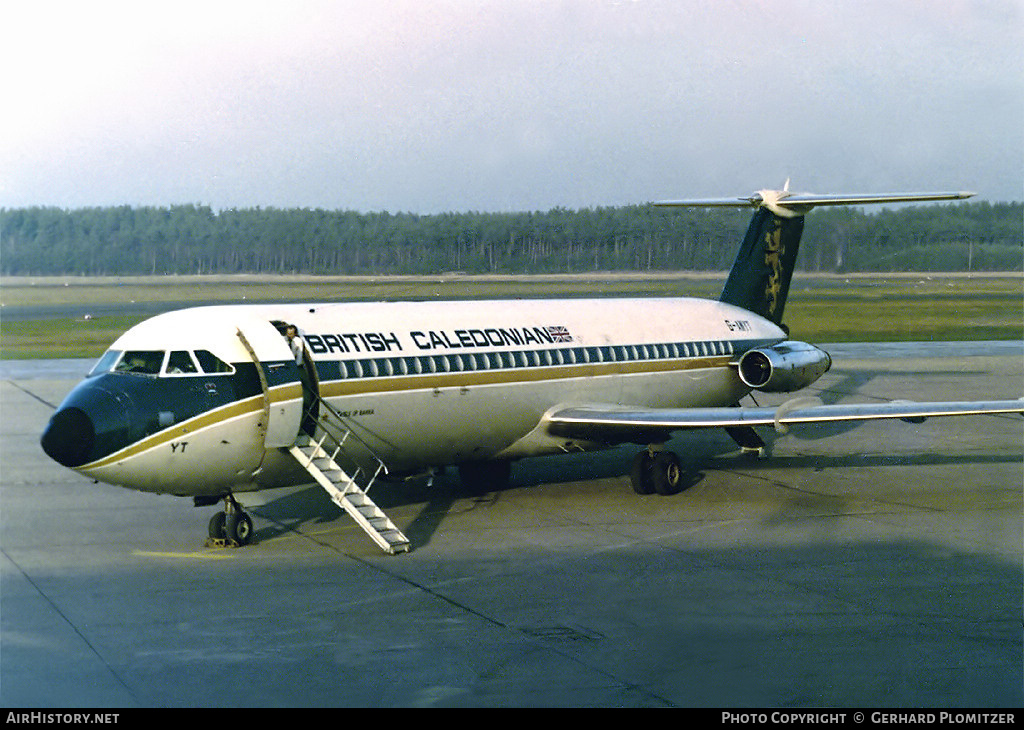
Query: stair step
[[347, 494]]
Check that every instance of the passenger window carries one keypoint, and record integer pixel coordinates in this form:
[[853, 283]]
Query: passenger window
[[180, 363], [141, 362], [211, 364]]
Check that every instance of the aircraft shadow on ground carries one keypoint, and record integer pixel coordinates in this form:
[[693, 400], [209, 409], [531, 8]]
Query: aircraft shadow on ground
[[700, 453]]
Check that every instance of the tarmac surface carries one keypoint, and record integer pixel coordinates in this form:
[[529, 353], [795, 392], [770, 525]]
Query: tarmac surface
[[874, 565]]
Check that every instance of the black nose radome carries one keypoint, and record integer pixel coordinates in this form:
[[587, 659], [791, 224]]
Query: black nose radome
[[69, 437]]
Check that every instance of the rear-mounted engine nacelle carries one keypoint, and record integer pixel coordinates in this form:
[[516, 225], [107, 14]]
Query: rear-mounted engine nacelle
[[784, 367]]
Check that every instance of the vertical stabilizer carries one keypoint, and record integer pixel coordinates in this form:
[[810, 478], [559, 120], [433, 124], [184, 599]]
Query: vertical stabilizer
[[759, 279]]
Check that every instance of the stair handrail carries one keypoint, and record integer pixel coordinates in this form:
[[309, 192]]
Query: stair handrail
[[337, 440]]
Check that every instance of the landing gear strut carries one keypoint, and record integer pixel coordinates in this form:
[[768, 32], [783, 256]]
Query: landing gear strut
[[655, 470], [232, 527]]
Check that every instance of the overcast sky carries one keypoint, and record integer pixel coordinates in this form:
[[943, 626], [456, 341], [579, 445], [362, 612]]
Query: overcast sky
[[457, 105]]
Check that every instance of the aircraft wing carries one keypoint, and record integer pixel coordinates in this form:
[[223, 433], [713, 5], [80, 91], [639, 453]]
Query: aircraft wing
[[615, 422]]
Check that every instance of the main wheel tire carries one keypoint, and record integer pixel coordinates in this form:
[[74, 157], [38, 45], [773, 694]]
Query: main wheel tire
[[238, 527], [216, 526], [640, 473], [666, 473]]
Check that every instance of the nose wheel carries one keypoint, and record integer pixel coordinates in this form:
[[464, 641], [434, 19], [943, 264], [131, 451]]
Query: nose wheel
[[230, 528]]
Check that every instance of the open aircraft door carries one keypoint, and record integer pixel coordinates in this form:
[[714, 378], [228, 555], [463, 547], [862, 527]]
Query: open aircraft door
[[279, 380]]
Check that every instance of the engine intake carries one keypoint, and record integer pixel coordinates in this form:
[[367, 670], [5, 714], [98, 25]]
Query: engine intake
[[784, 367]]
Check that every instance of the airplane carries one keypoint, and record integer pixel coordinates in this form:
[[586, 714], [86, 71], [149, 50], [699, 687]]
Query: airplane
[[215, 401]]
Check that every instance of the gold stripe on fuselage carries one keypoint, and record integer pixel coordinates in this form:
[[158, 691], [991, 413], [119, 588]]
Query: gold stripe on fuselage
[[400, 383]]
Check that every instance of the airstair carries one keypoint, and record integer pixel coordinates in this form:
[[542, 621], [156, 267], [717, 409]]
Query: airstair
[[322, 455]]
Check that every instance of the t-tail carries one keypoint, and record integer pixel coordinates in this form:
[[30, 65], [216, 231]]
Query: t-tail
[[759, 279]]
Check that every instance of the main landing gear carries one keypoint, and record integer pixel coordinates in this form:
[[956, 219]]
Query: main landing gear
[[656, 470], [232, 527]]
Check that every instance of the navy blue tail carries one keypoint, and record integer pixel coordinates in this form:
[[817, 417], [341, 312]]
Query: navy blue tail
[[759, 280]]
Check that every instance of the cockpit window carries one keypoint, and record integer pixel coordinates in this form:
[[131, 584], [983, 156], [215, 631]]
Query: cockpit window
[[180, 362], [151, 362], [105, 363], [211, 364], [141, 362]]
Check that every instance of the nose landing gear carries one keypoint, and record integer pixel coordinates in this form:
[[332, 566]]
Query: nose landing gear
[[230, 528]]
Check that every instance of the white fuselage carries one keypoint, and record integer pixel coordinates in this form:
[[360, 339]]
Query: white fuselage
[[420, 384]]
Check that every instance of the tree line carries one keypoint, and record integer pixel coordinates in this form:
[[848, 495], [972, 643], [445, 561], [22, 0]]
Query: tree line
[[195, 239]]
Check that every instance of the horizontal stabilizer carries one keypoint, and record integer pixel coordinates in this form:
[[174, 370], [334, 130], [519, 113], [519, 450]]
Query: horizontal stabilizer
[[787, 204], [760, 277]]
